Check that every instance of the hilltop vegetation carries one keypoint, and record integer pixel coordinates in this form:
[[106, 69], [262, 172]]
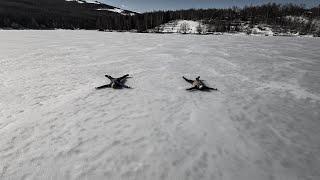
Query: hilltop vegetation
[[281, 18], [46, 14], [49, 14]]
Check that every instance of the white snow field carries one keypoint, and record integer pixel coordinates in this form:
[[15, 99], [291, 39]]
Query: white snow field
[[262, 124]]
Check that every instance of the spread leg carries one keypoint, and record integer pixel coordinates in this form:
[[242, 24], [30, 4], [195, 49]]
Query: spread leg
[[206, 88], [104, 86]]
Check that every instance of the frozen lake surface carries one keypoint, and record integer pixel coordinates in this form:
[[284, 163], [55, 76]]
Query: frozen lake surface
[[264, 123]]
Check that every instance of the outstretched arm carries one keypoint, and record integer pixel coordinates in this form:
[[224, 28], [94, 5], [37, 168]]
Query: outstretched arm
[[110, 77], [188, 80], [123, 77], [104, 86]]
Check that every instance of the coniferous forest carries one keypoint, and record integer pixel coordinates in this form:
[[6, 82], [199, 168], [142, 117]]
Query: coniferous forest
[[47, 14]]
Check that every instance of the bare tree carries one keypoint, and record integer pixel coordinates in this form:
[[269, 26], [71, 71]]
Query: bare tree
[[199, 28], [184, 28], [157, 29]]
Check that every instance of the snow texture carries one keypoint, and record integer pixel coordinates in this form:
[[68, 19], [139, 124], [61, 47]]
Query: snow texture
[[116, 10], [267, 31], [175, 26], [263, 123], [112, 10], [299, 19], [85, 1]]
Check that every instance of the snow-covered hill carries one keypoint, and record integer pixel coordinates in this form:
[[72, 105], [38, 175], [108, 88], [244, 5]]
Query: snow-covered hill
[[199, 27], [263, 123], [177, 26], [65, 14], [85, 1], [117, 10], [103, 8]]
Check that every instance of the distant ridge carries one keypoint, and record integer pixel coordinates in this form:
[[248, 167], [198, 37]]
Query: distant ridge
[[67, 14], [267, 19]]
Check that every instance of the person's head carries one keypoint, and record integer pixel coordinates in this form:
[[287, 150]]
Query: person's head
[[198, 78]]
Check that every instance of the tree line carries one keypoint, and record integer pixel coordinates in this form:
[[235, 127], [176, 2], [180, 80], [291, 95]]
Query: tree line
[[72, 16]]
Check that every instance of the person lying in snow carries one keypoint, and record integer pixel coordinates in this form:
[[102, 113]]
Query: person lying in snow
[[198, 85], [116, 83]]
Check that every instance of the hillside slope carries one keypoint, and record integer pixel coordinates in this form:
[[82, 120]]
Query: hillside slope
[[45, 14], [263, 123]]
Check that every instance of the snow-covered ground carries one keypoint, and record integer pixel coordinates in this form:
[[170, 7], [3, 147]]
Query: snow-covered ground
[[262, 124]]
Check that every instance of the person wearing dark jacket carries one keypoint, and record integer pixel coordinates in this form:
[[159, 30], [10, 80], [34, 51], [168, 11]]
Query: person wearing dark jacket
[[115, 83], [198, 85]]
